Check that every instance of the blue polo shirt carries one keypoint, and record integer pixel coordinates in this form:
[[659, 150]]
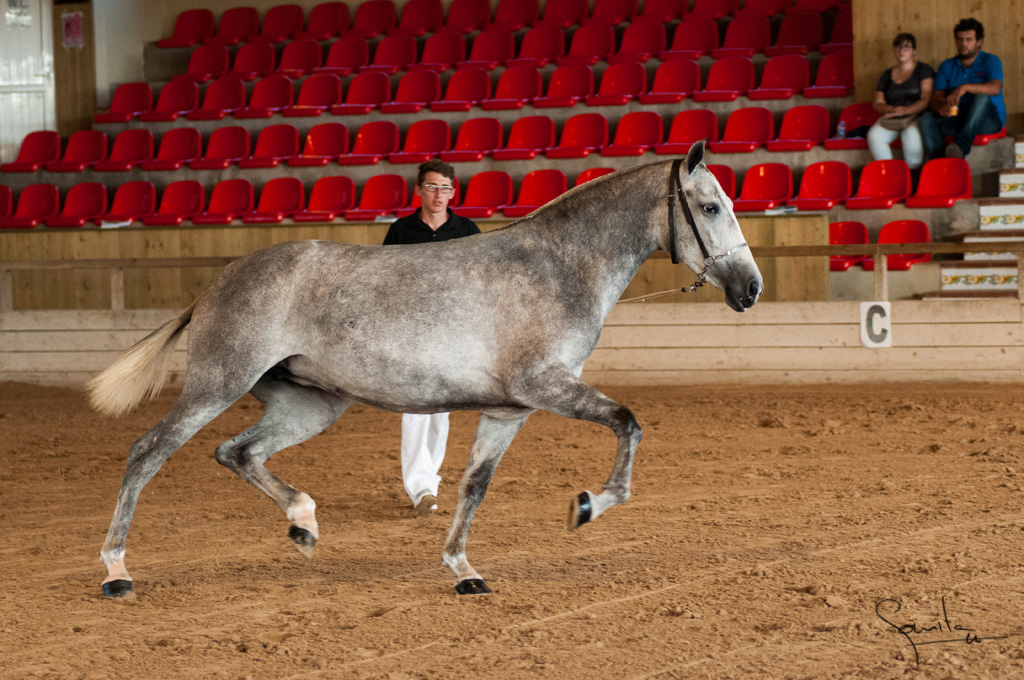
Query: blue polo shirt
[[986, 67]]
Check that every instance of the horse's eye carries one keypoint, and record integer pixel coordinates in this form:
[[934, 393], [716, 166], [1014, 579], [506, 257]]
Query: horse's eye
[[711, 209]]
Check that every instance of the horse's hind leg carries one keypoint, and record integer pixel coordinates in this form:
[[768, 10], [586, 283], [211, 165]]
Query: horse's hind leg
[[493, 436], [293, 414]]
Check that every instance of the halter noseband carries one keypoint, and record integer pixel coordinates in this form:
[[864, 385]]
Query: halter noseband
[[675, 190]]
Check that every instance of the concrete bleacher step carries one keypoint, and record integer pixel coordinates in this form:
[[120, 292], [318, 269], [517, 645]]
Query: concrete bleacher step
[[994, 237], [1018, 152], [979, 275], [1011, 182]]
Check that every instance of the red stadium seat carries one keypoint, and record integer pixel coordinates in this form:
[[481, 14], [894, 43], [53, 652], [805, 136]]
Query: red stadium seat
[[230, 199], [803, 127], [746, 129], [466, 89], [346, 56], [416, 91], [611, 12], [299, 58], [324, 143], [882, 184], [823, 186], [530, 135], [728, 79], [765, 186], [747, 35], [662, 10], [843, 234], [381, 195], [373, 18], [37, 149], [982, 140], [592, 173], [516, 87], [765, 8], [513, 15], [582, 135], [177, 98], [318, 93], [635, 134], [180, 201], [641, 41], [281, 197], [589, 45], [783, 77], [130, 148], [689, 126], [902, 231], [563, 14], [715, 9], [419, 17], [206, 63], [944, 181], [37, 203], [477, 137], [326, 20], [190, 27], [253, 60], [84, 202], [374, 142], [441, 53], [132, 201], [541, 46], [331, 196], [569, 84], [280, 23], [695, 37], [490, 50], [227, 145], [726, 178], [393, 54], [84, 148], [674, 81], [466, 16], [6, 200], [178, 147], [425, 139], [834, 77], [223, 96], [538, 188], [236, 25], [269, 96], [130, 99], [841, 39], [365, 93], [276, 143], [619, 84], [798, 34], [488, 192], [862, 114]]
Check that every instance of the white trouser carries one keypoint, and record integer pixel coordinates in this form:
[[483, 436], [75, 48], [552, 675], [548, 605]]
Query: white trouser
[[424, 437], [879, 140]]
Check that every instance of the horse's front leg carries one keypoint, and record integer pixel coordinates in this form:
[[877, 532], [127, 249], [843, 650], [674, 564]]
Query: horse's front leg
[[493, 436]]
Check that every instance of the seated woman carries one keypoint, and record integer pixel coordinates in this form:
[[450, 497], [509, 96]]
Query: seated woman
[[902, 93]]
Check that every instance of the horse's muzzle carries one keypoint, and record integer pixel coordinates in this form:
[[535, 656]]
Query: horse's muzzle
[[742, 296]]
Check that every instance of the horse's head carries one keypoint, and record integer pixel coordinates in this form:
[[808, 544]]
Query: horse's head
[[707, 237]]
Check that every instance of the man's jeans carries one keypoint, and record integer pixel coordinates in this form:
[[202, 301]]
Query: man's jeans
[[977, 117]]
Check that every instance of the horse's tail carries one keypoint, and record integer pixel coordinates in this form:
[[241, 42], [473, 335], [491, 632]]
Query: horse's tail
[[139, 372]]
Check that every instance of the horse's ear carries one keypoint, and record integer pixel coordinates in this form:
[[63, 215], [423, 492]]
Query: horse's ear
[[696, 156]]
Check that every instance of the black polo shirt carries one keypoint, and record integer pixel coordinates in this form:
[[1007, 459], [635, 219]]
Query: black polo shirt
[[412, 229]]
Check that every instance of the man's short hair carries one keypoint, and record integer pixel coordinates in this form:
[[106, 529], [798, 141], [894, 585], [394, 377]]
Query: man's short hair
[[970, 24], [438, 166], [905, 39]]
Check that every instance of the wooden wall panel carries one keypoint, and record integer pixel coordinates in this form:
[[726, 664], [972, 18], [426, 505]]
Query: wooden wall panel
[[74, 70]]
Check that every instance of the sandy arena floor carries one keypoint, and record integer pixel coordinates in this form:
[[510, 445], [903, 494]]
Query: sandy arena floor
[[766, 527]]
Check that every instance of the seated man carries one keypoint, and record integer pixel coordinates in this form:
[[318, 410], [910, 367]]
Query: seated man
[[967, 98]]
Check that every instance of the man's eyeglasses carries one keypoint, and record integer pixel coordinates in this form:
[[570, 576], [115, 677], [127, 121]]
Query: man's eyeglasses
[[434, 188]]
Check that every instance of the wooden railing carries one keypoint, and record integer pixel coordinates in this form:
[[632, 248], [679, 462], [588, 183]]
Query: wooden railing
[[117, 267]]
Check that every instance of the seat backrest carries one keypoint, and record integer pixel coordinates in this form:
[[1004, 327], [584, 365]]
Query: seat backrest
[[301, 55], [277, 141], [224, 94], [572, 80], [613, 12], [518, 82], [326, 139], [41, 146], [643, 36], [662, 11], [629, 78], [515, 14], [86, 199], [192, 25], [541, 186], [254, 58], [596, 41], [765, 8], [639, 128], [592, 173], [564, 13], [237, 24], [444, 48], [178, 96], [383, 192], [6, 200], [369, 88], [348, 52], [420, 17], [465, 16], [38, 201], [208, 59], [180, 144], [835, 69], [395, 50], [715, 8], [752, 123], [282, 194], [531, 132], [327, 20], [133, 145], [334, 193], [786, 71], [803, 28], [471, 84], [86, 146], [228, 143], [585, 130], [320, 89], [495, 44], [479, 134], [542, 42], [681, 75], [748, 30], [950, 177], [374, 17], [490, 188], [184, 197], [726, 178], [282, 22], [731, 73], [847, 233], [272, 92], [132, 98], [886, 178], [767, 181], [695, 33], [842, 28], [905, 231], [809, 121], [376, 137], [429, 135], [419, 86], [231, 197], [134, 199], [693, 125], [826, 179]]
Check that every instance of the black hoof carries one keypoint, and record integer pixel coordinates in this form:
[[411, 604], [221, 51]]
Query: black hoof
[[118, 588], [303, 540], [472, 586], [580, 511]]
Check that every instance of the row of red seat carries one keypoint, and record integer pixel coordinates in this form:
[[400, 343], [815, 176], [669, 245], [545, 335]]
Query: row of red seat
[[695, 37], [284, 197], [898, 231], [729, 78], [419, 17]]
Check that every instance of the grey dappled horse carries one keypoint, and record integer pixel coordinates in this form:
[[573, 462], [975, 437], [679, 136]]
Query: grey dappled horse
[[501, 323]]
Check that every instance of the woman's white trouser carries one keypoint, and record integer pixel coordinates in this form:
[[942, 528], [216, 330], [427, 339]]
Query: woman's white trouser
[[424, 438], [879, 140]]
